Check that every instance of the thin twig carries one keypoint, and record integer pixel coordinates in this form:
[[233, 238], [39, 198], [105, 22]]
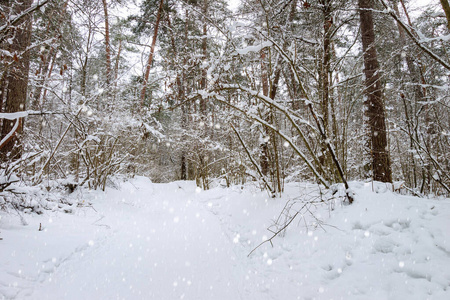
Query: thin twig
[[279, 231]]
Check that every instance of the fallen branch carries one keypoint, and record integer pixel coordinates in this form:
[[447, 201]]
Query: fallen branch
[[280, 230]]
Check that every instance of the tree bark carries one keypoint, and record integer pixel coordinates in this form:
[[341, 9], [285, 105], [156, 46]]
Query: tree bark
[[203, 83], [326, 57], [264, 155], [107, 45], [17, 78], [375, 112], [325, 72], [152, 51], [116, 66]]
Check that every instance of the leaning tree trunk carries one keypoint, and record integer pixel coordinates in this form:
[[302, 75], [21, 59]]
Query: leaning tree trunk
[[107, 46], [17, 79], [375, 113], [152, 51]]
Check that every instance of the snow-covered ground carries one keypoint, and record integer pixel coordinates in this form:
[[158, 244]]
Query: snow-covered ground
[[174, 241]]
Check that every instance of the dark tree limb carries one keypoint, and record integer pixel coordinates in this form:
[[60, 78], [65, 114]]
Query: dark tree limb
[[18, 18], [413, 35], [255, 164]]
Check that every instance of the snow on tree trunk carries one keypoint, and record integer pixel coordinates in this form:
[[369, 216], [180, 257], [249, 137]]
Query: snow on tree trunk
[[16, 82], [375, 112]]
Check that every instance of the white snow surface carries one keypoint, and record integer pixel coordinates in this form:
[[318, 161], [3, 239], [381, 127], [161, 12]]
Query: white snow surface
[[175, 241]]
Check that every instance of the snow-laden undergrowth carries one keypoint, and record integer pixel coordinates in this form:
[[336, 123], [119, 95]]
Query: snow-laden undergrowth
[[174, 241]]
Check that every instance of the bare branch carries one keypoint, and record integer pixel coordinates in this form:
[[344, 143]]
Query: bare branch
[[5, 28], [413, 35]]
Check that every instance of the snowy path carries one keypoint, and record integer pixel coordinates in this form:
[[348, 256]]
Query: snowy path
[[157, 245]]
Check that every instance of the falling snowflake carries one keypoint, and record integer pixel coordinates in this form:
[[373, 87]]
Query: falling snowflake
[[236, 238]]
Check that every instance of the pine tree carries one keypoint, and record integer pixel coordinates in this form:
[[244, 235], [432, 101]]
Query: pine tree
[[375, 112], [14, 85]]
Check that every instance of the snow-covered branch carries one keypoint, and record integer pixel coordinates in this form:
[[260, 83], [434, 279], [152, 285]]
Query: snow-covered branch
[[415, 36]]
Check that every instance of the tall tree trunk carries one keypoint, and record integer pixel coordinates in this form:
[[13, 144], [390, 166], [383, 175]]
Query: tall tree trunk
[[152, 51], [264, 155], [17, 78], [107, 46], [84, 62], [326, 57], [116, 66], [203, 151], [203, 83], [187, 168], [325, 72], [83, 78], [375, 113]]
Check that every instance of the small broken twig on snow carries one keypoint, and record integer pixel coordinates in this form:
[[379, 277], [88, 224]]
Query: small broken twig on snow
[[280, 230]]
